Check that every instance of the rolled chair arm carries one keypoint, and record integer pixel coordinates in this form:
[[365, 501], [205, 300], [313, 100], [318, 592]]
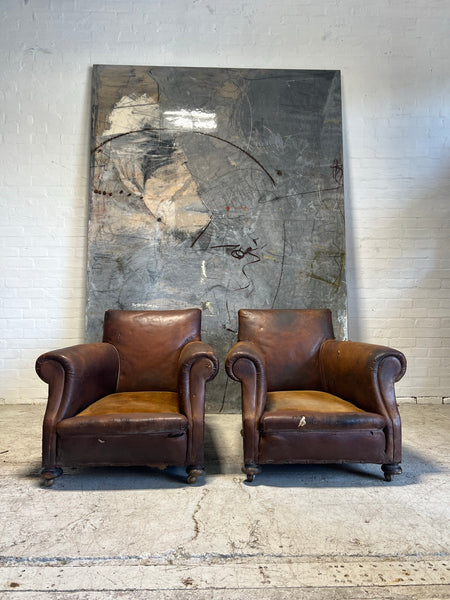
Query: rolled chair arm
[[244, 350], [245, 363], [365, 374], [77, 376], [362, 373], [197, 365], [193, 352]]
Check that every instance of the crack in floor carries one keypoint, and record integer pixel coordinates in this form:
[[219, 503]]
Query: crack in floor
[[194, 515]]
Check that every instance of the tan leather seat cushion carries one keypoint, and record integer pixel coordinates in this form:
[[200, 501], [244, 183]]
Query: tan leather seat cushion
[[134, 402], [128, 412], [314, 410]]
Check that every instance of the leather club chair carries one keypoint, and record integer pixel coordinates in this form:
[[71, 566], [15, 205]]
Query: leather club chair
[[137, 398], [308, 398]]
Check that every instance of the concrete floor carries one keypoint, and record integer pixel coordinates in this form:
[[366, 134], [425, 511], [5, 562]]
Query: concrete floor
[[297, 532]]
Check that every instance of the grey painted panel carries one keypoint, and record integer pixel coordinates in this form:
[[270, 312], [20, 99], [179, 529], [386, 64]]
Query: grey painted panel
[[217, 188]]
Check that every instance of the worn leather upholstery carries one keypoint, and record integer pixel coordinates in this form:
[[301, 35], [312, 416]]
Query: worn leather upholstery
[[137, 398], [308, 398]]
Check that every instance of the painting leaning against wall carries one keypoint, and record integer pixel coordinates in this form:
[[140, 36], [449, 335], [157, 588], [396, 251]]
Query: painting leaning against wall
[[215, 188]]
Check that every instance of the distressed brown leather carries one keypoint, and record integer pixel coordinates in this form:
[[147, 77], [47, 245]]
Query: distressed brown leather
[[134, 402], [136, 412], [365, 374], [288, 340], [322, 447], [122, 423], [137, 398], [149, 344], [313, 410], [307, 397]]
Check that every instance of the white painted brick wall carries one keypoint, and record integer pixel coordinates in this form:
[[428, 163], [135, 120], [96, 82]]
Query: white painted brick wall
[[395, 61]]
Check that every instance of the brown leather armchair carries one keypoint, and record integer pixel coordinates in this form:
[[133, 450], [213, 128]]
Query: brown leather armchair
[[308, 398], [137, 398]]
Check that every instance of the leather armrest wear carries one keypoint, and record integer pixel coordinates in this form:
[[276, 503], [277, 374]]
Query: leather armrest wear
[[197, 364], [77, 376], [245, 363], [248, 350], [363, 374], [194, 351]]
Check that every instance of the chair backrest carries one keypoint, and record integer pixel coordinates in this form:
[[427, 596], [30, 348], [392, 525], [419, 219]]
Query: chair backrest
[[149, 345], [289, 340]]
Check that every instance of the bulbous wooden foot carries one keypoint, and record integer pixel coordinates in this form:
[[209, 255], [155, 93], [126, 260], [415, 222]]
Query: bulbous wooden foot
[[49, 476], [389, 470], [251, 471], [193, 473]]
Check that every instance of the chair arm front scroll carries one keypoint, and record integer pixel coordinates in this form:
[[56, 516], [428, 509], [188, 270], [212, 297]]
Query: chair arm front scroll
[[245, 363], [77, 376], [197, 365], [365, 374]]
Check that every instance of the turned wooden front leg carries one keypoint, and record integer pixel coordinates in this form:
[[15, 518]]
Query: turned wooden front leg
[[251, 471], [389, 470], [194, 472], [49, 475]]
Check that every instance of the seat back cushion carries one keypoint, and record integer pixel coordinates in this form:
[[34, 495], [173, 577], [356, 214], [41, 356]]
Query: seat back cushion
[[149, 345], [289, 340]]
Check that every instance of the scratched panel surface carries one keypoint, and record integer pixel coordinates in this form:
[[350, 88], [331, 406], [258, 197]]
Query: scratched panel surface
[[217, 188]]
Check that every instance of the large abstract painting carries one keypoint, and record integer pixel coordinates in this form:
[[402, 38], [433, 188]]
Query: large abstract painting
[[216, 188]]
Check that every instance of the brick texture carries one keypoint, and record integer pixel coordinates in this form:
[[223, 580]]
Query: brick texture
[[395, 64]]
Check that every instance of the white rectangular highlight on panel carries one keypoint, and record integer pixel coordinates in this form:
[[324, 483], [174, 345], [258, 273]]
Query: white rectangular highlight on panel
[[190, 120]]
